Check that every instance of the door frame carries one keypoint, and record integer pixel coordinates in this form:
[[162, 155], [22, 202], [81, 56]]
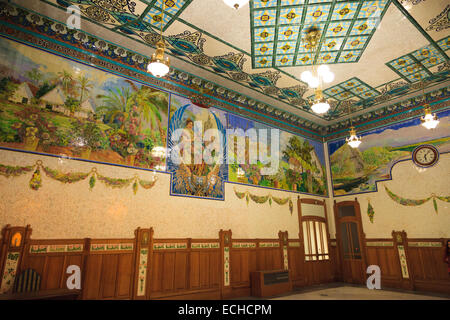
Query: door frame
[[361, 234]]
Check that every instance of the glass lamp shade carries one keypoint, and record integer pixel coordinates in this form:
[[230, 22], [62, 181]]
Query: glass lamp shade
[[306, 76], [429, 121], [320, 106], [236, 3], [159, 66], [314, 82], [158, 69], [353, 141], [328, 77], [323, 70]]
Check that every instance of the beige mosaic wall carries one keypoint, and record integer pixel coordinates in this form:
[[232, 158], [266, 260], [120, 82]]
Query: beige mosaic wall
[[60, 210], [412, 183]]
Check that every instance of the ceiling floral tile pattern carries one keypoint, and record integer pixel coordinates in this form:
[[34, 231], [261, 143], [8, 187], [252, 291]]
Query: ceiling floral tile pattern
[[347, 27], [275, 46]]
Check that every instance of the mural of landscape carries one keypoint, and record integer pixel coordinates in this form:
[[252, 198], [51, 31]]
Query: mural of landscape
[[189, 176], [301, 161], [53, 105], [357, 170]]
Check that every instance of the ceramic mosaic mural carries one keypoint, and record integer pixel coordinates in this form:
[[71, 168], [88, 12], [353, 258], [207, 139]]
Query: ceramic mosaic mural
[[53, 105], [358, 170], [301, 165], [197, 162]]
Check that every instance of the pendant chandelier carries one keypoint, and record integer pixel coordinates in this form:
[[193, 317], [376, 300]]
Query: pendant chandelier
[[353, 141], [318, 75], [159, 66], [236, 3], [429, 120]]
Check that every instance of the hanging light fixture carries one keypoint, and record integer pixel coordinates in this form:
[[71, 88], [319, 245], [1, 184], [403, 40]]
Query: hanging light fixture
[[429, 120], [159, 66], [236, 3], [353, 141], [318, 75]]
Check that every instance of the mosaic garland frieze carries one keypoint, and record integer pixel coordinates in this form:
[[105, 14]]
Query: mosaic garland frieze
[[115, 55], [441, 21]]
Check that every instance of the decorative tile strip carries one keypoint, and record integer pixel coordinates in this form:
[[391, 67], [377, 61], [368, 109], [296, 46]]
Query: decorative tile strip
[[269, 244], [425, 244], [244, 245], [56, 248], [379, 244], [295, 244], [285, 258], [169, 246], [143, 255], [333, 243], [226, 266], [9, 273], [203, 245], [112, 247], [403, 263]]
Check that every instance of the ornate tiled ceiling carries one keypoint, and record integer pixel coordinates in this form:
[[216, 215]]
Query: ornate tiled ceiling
[[278, 28], [208, 39]]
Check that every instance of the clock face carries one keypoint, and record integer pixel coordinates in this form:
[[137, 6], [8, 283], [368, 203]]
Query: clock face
[[425, 156]]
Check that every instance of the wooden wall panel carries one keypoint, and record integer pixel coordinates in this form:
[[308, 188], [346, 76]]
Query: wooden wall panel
[[124, 275], [91, 284], [108, 275]]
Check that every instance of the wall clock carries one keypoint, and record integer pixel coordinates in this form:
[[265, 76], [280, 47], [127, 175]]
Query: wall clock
[[425, 156]]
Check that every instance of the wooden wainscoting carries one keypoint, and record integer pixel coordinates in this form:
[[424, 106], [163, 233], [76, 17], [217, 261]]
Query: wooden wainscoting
[[185, 269], [145, 267], [423, 270]]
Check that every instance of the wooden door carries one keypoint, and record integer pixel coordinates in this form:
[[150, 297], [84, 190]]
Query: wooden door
[[350, 237]]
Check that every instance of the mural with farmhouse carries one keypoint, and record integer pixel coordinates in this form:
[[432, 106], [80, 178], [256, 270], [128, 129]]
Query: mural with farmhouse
[[53, 105], [300, 161], [196, 146], [358, 170]]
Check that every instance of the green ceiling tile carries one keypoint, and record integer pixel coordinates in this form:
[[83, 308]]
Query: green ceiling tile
[[444, 43], [171, 6], [264, 49], [365, 26], [349, 56], [432, 61], [257, 4], [288, 33], [284, 60], [264, 34], [333, 90], [291, 16], [317, 13], [418, 76], [327, 57], [304, 59], [286, 47], [338, 29], [264, 62], [344, 11], [372, 9], [402, 62], [332, 44], [262, 18], [355, 43], [153, 17]]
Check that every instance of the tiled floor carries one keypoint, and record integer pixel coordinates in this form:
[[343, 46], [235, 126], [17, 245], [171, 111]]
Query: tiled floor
[[359, 293]]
